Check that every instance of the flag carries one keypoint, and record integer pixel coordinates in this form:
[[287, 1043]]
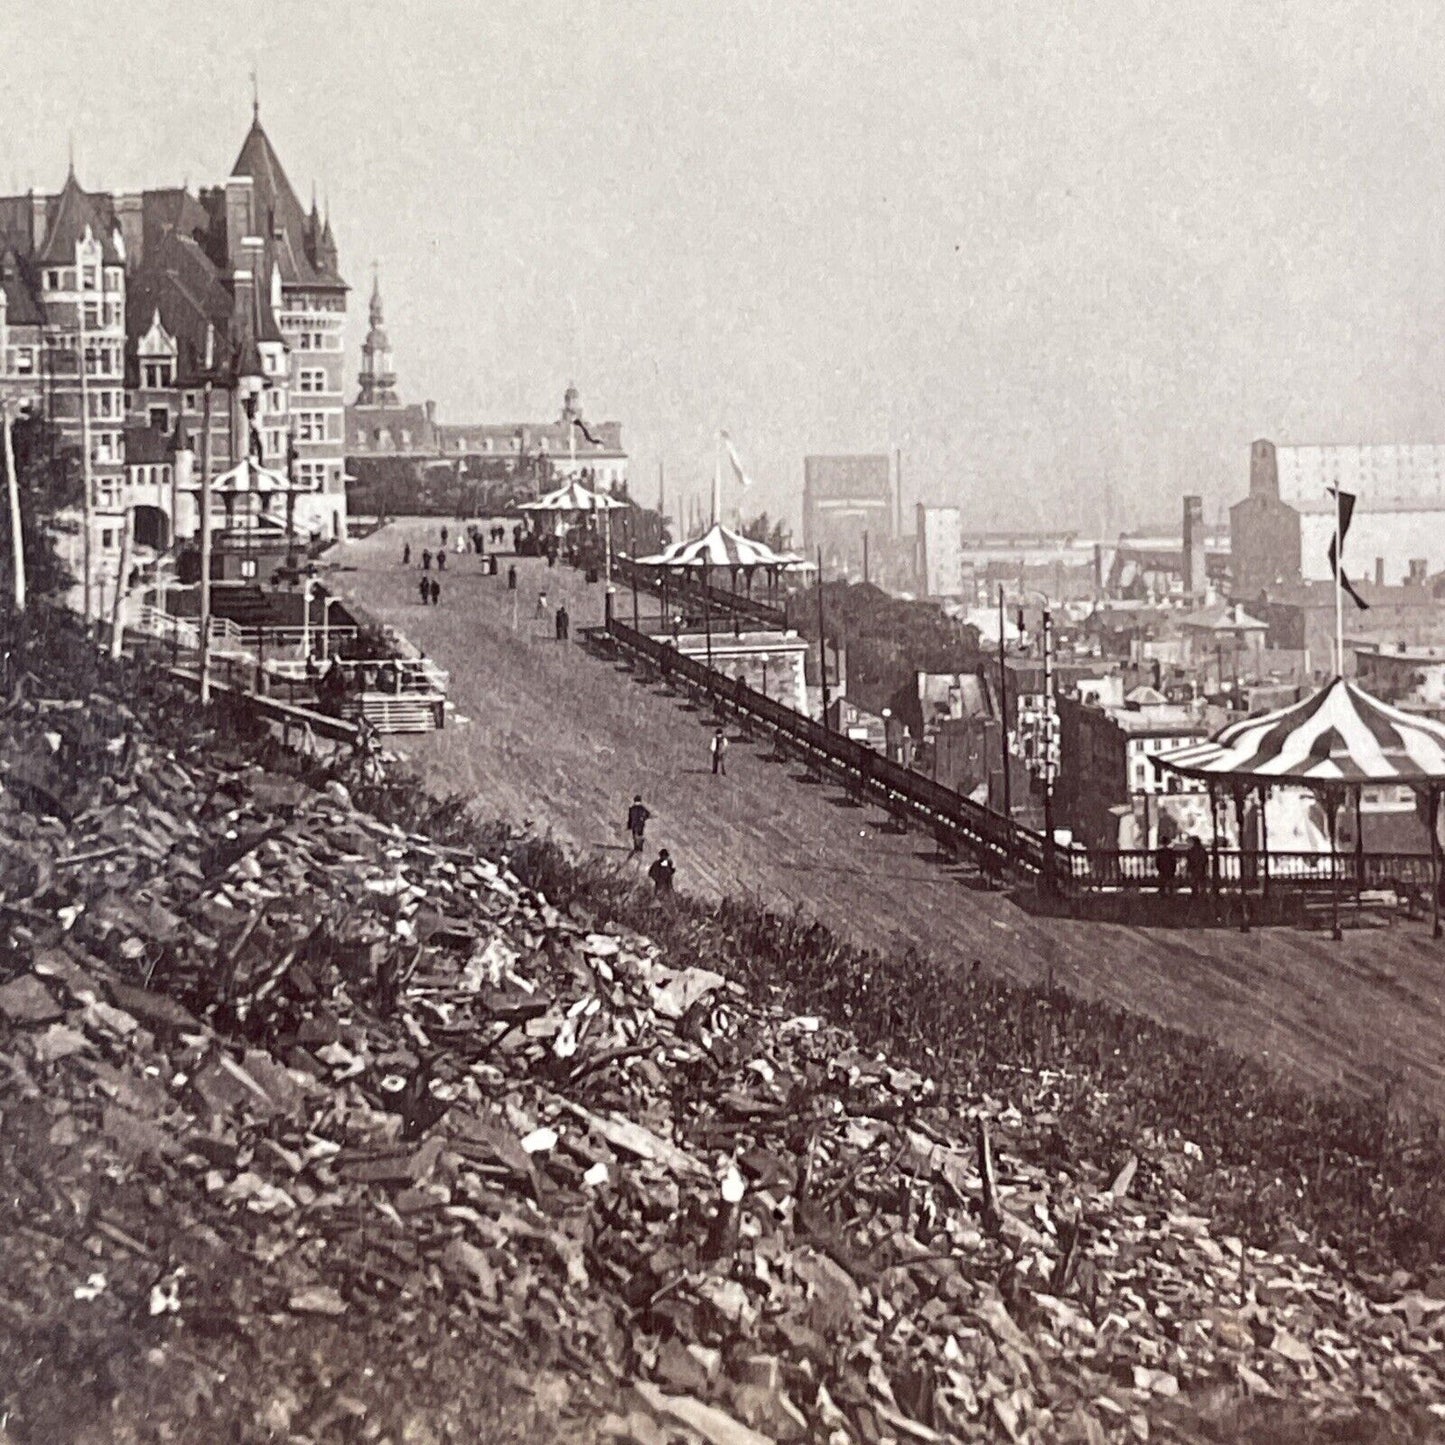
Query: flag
[[735, 462], [1345, 505], [586, 432]]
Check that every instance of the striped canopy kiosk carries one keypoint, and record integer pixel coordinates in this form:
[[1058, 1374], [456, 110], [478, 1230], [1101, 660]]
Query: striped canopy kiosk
[[574, 499], [1336, 743], [721, 547]]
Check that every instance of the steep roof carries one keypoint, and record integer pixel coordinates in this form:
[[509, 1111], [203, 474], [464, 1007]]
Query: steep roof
[[303, 262], [179, 280], [21, 305], [71, 213]]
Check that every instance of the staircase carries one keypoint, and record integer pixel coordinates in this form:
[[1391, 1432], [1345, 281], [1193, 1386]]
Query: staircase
[[396, 713]]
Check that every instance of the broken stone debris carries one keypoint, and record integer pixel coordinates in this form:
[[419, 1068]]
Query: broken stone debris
[[396, 1079]]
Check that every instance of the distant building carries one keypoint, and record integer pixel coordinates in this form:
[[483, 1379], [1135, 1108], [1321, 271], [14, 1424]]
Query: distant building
[[939, 546], [560, 446], [1301, 618], [1281, 532], [1409, 677], [532, 455], [846, 498], [1108, 791]]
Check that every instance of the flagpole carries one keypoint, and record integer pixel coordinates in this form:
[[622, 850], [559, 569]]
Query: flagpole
[[717, 480], [1339, 592]]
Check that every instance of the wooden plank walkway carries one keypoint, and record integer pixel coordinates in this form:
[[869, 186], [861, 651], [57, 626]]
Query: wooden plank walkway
[[562, 740]]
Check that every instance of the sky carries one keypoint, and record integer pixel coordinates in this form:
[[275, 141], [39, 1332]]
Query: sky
[[1067, 259]]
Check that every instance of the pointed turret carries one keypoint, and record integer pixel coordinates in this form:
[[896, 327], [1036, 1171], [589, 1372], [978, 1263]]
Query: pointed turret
[[377, 379]]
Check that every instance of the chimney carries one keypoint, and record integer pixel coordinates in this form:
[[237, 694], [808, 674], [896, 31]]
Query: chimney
[[37, 221], [431, 413], [1196, 580], [240, 220], [1379, 571], [1264, 471]]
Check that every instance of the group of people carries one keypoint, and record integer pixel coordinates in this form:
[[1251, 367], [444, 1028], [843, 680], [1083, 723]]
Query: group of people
[[662, 869], [430, 589], [1188, 850]]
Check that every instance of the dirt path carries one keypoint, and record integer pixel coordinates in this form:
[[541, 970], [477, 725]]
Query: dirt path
[[559, 739]]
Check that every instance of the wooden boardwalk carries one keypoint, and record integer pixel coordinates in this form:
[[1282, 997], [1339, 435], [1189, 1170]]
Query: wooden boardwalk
[[562, 740]]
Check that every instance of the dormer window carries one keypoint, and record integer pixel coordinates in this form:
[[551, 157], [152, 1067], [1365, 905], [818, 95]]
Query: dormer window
[[89, 277], [157, 375]]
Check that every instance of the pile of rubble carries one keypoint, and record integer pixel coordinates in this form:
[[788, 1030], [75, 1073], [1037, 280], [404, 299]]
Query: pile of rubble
[[267, 1062]]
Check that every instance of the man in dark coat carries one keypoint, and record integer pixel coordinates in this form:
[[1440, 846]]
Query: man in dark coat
[[436, 593], [661, 872], [718, 747], [426, 559], [424, 587], [637, 816], [1166, 861]]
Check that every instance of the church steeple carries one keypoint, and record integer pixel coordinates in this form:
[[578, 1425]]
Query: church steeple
[[378, 376]]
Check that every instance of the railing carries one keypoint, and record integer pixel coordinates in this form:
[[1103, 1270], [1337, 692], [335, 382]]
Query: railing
[[1103, 868], [226, 637], [996, 841], [282, 638], [993, 839], [696, 597]]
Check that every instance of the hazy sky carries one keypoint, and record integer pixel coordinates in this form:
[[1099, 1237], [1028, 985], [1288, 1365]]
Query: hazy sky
[[1070, 258]]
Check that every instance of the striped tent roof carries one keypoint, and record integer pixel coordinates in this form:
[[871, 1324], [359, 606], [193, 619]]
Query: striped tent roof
[[1340, 735], [719, 546], [574, 497]]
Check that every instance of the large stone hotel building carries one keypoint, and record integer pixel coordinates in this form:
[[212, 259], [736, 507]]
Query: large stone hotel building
[[227, 303]]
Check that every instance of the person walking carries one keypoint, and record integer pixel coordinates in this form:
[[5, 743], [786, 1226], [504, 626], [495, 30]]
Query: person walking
[[436, 593], [637, 816], [426, 559], [564, 623], [541, 603], [406, 554], [442, 560], [557, 623], [425, 589], [662, 872], [718, 747], [444, 539], [512, 578]]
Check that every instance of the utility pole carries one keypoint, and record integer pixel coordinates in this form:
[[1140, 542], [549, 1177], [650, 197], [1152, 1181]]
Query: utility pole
[[88, 503], [1049, 861], [822, 642], [204, 662], [1008, 811], [865, 558], [12, 486], [117, 612]]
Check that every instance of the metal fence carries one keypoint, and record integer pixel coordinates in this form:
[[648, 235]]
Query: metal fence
[[996, 842]]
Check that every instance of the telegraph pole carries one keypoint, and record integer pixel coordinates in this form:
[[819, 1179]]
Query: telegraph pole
[[88, 503], [12, 486], [1049, 860], [1008, 811], [204, 662], [822, 642]]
